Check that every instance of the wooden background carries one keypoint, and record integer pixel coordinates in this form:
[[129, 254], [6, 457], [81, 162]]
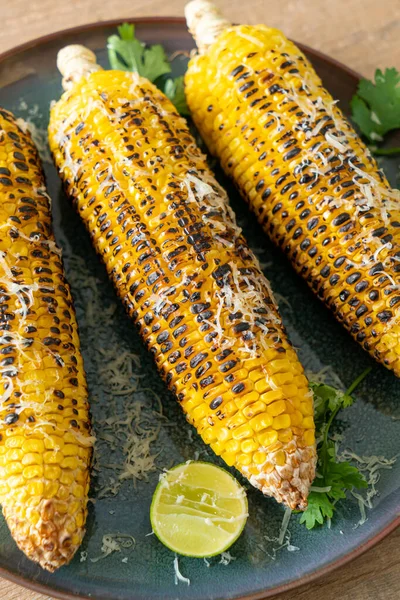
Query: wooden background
[[363, 34]]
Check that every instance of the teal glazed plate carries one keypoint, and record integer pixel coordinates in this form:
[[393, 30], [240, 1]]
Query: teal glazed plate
[[126, 394]]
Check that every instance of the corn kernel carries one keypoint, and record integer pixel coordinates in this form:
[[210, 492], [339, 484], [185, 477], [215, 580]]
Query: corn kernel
[[31, 458], [306, 409], [70, 462], [229, 458], [78, 491], [281, 422], [285, 435], [223, 434], [14, 454], [50, 489], [13, 468], [80, 519], [53, 457], [53, 442], [254, 409], [262, 386], [208, 435], [232, 446], [276, 408], [309, 437], [296, 418], [199, 412], [249, 445], [260, 422], [244, 431], [15, 441], [244, 459], [33, 471], [53, 472], [271, 396], [308, 422], [268, 438], [268, 467], [244, 401], [280, 458], [259, 457], [35, 488]]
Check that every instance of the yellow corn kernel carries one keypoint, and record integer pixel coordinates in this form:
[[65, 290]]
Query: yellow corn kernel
[[243, 402], [33, 471], [51, 489], [31, 458], [53, 442], [229, 458], [306, 408], [260, 422], [267, 438], [243, 459], [33, 445], [296, 418], [244, 431], [35, 488], [249, 445], [271, 396], [280, 458], [52, 472], [309, 437], [223, 434], [276, 408], [254, 409], [70, 462], [199, 412], [285, 435], [14, 454], [13, 468], [259, 457], [15, 442], [78, 491], [308, 422], [281, 422]]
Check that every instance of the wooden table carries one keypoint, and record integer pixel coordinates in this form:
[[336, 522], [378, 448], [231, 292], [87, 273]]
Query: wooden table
[[364, 34]]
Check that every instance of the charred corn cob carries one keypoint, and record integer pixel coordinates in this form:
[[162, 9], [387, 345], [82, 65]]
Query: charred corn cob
[[313, 185], [179, 263], [44, 423]]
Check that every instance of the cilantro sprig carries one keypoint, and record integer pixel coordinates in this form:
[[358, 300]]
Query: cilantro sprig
[[376, 108], [127, 53], [334, 478]]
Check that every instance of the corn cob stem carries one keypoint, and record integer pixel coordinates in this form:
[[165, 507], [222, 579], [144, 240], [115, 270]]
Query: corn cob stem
[[45, 442], [75, 62], [178, 260], [205, 22]]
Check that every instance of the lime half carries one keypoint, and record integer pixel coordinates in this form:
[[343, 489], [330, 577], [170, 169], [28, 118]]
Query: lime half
[[198, 509]]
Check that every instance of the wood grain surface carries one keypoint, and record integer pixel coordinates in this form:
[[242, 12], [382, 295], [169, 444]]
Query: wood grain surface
[[363, 34]]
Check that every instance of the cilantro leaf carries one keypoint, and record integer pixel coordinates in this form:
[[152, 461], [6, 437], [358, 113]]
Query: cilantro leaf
[[334, 477], [174, 90], [155, 63], [127, 53], [319, 508], [376, 106]]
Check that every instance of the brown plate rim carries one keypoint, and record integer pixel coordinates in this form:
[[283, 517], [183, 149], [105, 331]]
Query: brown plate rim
[[45, 589]]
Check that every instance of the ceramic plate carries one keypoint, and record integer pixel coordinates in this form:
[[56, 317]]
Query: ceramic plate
[[28, 82]]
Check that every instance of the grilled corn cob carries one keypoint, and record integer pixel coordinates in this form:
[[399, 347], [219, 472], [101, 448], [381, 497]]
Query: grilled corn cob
[[311, 182], [187, 278], [44, 423]]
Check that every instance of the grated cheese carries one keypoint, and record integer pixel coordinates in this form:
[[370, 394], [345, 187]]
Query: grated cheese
[[114, 542], [178, 574]]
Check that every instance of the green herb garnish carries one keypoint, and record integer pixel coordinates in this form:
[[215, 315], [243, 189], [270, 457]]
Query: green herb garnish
[[334, 478], [127, 53], [376, 107]]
